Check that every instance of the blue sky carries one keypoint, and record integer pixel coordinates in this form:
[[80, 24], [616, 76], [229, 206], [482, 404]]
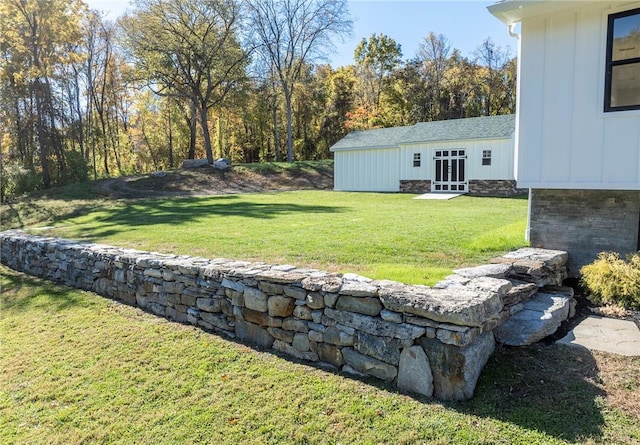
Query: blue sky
[[465, 23]]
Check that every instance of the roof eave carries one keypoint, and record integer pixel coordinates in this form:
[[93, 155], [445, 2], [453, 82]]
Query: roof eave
[[513, 11]]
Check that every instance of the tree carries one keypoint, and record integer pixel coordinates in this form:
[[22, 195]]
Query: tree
[[38, 37], [292, 33], [188, 49], [496, 78], [376, 58]]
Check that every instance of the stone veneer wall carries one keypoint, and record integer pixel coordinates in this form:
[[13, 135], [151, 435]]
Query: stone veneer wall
[[430, 341], [584, 222], [415, 186], [494, 187]]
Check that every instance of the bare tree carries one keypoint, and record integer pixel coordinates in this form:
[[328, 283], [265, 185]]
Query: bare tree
[[293, 33]]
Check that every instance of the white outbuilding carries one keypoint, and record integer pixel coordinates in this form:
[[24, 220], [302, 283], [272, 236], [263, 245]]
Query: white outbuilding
[[473, 155]]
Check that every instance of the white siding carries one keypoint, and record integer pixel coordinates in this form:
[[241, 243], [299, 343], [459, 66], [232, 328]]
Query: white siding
[[366, 170], [565, 139], [502, 158]]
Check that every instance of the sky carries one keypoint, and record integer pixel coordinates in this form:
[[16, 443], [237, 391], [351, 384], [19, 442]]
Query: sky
[[464, 23]]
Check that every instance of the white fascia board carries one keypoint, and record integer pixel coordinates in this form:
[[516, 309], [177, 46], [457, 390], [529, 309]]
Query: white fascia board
[[510, 12]]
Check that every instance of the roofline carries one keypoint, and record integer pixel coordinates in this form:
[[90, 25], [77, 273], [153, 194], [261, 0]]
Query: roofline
[[365, 147], [402, 144], [510, 12]]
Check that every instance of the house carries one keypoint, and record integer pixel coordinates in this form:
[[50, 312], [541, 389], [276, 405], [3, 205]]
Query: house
[[578, 123], [473, 155]]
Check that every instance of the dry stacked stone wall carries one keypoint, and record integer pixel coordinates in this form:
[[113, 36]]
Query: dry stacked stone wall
[[432, 341]]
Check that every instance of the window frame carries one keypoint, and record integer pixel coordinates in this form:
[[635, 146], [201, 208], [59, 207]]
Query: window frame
[[486, 158], [417, 159], [610, 64]]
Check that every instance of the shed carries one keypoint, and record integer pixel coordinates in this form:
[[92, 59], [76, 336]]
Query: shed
[[578, 123], [472, 155]]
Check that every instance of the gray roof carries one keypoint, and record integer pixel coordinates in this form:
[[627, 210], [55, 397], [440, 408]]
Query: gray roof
[[378, 138], [485, 127]]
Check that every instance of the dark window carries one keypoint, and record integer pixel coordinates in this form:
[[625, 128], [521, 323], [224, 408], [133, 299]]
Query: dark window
[[486, 157], [416, 159], [622, 80]]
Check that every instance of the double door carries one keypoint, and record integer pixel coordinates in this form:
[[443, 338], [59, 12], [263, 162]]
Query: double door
[[450, 175]]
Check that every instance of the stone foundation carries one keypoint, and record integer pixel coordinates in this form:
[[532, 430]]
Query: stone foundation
[[415, 186], [498, 188], [431, 341], [584, 222]]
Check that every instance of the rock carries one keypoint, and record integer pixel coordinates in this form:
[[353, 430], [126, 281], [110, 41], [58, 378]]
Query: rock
[[302, 312], [234, 285], [486, 270], [255, 299], [291, 324], [260, 318], [252, 333], [358, 289], [279, 306], [456, 370], [208, 304], [330, 354], [391, 317], [540, 317], [456, 335], [301, 342], [361, 305], [375, 326], [414, 372], [222, 164], [315, 300], [159, 174], [290, 350], [382, 348], [338, 337], [281, 334], [369, 365], [216, 320], [457, 306], [520, 292], [194, 163]]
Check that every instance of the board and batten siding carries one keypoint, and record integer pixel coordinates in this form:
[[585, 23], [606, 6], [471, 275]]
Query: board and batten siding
[[374, 170], [565, 139], [502, 159]]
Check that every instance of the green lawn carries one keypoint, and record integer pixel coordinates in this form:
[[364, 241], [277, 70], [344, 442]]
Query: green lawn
[[78, 368], [383, 236]]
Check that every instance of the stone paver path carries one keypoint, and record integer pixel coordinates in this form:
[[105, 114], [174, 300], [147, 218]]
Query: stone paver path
[[605, 334]]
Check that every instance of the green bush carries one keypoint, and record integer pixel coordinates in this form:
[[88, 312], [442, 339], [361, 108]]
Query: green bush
[[612, 280], [16, 180]]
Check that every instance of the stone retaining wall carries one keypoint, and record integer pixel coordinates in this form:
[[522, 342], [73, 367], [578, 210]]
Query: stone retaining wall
[[430, 341]]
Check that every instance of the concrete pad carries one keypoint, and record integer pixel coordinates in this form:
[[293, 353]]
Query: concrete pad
[[442, 196], [605, 334]]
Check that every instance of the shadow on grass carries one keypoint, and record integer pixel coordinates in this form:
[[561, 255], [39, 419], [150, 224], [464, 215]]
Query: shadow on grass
[[20, 292], [180, 210], [549, 388]]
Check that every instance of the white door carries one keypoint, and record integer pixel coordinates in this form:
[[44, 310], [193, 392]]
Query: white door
[[451, 175]]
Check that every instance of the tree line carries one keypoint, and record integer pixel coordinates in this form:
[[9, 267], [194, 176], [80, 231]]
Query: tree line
[[83, 97]]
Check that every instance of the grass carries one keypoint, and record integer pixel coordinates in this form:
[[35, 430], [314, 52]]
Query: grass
[[78, 368], [383, 236]]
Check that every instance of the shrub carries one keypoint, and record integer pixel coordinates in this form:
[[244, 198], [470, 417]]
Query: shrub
[[612, 280]]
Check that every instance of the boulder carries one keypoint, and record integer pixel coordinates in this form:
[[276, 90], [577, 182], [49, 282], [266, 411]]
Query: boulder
[[414, 372], [540, 317], [194, 163], [369, 365], [456, 370], [452, 305], [222, 164]]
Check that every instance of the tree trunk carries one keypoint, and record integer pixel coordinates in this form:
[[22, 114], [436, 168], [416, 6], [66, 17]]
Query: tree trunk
[[204, 123], [287, 97]]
